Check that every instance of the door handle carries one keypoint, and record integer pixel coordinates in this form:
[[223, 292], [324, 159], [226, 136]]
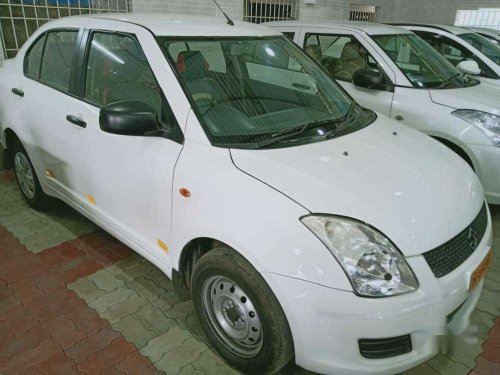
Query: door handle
[[75, 120], [18, 92]]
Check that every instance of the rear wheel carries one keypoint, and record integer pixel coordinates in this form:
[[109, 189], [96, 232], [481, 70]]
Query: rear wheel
[[26, 178], [240, 314]]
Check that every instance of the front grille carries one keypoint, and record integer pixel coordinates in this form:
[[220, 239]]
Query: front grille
[[385, 348], [447, 257]]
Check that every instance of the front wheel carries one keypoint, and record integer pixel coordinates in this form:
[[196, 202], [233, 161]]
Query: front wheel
[[240, 314]]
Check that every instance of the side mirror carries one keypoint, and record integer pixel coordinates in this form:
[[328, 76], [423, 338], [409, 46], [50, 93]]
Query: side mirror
[[470, 67], [370, 78], [128, 118]]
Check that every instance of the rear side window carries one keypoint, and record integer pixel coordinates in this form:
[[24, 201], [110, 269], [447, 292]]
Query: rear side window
[[58, 58], [33, 60]]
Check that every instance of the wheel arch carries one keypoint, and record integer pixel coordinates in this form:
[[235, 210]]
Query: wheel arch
[[189, 255], [459, 150], [9, 137]]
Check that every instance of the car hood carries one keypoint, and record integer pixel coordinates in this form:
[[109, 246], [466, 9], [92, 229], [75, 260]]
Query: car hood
[[483, 97], [410, 187]]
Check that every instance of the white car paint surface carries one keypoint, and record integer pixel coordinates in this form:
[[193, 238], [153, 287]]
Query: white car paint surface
[[389, 179], [426, 109]]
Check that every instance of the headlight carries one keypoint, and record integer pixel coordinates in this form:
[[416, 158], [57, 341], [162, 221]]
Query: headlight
[[374, 266], [487, 122]]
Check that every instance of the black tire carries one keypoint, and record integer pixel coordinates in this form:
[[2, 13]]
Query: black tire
[[39, 200], [276, 342]]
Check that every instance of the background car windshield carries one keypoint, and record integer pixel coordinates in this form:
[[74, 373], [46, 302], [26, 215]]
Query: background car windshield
[[420, 63], [491, 50], [249, 90]]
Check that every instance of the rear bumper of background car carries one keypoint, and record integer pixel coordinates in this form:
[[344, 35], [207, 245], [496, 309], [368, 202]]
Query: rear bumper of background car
[[327, 324]]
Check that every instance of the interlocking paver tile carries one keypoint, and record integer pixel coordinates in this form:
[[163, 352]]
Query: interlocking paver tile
[[190, 370], [157, 347], [101, 340], [145, 288], [107, 357], [211, 363], [86, 289], [105, 280], [116, 312], [134, 330], [64, 332], [154, 318], [174, 360], [135, 363], [104, 302], [37, 230]]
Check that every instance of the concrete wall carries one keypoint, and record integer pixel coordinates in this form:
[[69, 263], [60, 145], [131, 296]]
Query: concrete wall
[[429, 11], [322, 10]]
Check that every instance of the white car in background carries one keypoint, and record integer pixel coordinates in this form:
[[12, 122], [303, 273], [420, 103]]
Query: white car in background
[[301, 224], [459, 45], [491, 34], [394, 72]]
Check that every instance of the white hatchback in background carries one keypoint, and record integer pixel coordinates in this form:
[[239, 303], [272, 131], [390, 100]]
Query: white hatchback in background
[[459, 45], [394, 72], [301, 224]]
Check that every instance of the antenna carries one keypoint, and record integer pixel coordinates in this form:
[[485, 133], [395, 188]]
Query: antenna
[[229, 20]]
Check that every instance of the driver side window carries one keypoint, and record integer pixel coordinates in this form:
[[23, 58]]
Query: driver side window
[[117, 70], [340, 55]]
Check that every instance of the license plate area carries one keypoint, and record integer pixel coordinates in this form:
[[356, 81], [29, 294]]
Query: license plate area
[[480, 271]]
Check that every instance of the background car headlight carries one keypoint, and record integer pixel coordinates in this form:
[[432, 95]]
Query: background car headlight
[[487, 122], [374, 266]]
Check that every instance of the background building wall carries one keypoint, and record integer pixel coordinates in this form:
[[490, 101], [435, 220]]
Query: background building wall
[[320, 11], [429, 11]]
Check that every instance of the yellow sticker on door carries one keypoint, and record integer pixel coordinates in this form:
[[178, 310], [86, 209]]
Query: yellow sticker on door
[[90, 198], [162, 245]]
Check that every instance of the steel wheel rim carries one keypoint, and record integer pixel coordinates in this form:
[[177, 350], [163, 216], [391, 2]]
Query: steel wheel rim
[[232, 316], [25, 175]]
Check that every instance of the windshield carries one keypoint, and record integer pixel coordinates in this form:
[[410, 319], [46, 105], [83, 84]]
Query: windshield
[[258, 92], [489, 49], [419, 62]]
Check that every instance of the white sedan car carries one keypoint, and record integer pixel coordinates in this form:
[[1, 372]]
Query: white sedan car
[[394, 72], [301, 224], [458, 44]]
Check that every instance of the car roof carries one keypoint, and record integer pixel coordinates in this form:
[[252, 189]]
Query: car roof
[[175, 24], [456, 30], [370, 28], [484, 30]]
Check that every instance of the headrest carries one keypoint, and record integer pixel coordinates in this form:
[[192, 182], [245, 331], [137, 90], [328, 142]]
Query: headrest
[[350, 52], [314, 51], [192, 64]]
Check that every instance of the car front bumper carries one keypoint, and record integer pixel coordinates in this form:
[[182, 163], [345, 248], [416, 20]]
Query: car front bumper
[[327, 323]]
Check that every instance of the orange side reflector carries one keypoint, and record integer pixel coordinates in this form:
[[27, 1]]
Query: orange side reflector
[[90, 198], [50, 173], [162, 246], [185, 192]]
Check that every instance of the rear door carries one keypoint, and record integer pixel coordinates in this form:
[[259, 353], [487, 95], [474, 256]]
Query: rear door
[[46, 91], [126, 181], [342, 53]]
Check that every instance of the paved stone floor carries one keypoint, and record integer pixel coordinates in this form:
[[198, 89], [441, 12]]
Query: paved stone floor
[[75, 300]]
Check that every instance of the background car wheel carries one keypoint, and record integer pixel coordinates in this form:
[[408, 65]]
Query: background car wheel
[[240, 314], [26, 178]]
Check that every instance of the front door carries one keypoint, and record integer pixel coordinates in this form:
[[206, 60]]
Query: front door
[[342, 54], [124, 181]]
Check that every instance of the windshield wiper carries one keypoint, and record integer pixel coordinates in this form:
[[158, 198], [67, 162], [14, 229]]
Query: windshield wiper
[[297, 130], [449, 80]]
